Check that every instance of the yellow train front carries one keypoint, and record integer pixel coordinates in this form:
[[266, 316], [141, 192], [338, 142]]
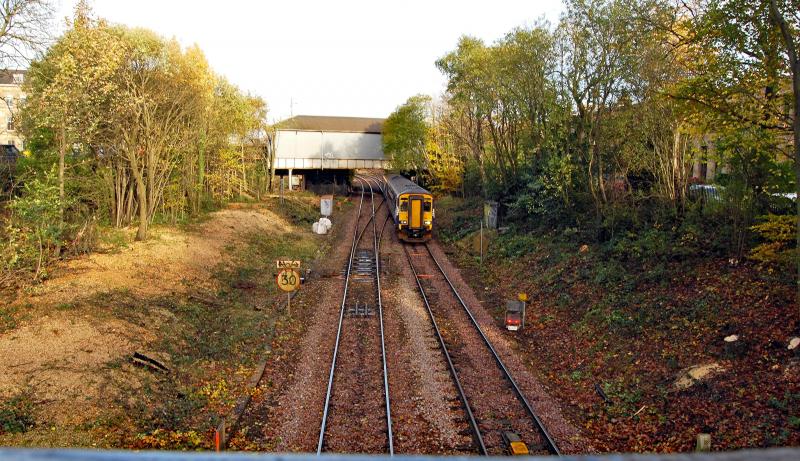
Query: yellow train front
[[411, 207]]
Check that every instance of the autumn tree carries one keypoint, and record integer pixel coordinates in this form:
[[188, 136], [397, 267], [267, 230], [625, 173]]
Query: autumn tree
[[786, 15], [406, 134], [140, 116], [72, 89], [503, 101], [740, 87]]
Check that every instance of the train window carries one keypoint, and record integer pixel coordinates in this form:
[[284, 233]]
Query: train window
[[403, 204], [427, 206]]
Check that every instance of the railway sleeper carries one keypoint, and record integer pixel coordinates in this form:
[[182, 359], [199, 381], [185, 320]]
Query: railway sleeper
[[360, 310]]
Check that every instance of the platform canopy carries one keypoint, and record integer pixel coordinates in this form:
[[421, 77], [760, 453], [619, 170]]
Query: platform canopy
[[308, 142]]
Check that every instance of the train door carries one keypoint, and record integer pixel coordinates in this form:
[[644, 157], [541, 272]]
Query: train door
[[415, 220]]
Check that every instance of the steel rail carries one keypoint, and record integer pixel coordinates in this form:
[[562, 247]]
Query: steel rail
[[364, 230], [388, 213], [549, 442], [380, 316], [453, 373], [339, 330], [372, 217]]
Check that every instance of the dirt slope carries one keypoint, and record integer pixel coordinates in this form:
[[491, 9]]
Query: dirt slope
[[72, 339]]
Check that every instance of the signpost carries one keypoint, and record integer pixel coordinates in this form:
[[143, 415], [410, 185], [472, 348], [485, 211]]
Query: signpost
[[287, 264], [523, 298], [288, 279]]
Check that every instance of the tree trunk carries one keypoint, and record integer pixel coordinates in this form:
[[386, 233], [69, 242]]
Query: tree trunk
[[201, 172], [62, 152], [141, 194], [243, 185], [794, 62], [128, 217], [271, 140]]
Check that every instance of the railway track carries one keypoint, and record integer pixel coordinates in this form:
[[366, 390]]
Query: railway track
[[357, 413], [491, 399]]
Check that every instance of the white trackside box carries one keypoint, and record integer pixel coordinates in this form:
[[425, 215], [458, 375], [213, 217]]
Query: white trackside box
[[326, 205]]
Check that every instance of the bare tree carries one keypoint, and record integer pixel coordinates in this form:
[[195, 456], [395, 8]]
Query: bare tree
[[24, 30]]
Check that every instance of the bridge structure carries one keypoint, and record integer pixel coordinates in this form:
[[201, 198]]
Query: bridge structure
[[313, 149]]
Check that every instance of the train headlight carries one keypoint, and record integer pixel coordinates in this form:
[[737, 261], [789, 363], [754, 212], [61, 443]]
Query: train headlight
[[403, 222], [427, 223]]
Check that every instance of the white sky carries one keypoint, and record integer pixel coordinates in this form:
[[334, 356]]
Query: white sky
[[342, 57]]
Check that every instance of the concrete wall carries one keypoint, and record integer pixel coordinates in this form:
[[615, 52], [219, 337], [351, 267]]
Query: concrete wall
[[315, 149]]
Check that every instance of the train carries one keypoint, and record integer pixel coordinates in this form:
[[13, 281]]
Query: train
[[411, 207]]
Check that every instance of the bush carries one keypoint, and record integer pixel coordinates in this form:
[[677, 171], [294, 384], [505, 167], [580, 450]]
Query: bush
[[472, 184], [546, 198], [16, 414], [513, 245], [778, 234], [36, 230]]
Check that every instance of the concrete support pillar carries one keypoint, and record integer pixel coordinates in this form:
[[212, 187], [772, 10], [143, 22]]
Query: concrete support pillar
[[290, 179]]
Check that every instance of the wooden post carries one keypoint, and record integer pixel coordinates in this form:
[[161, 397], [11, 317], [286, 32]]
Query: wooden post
[[219, 436], [481, 241], [289, 303], [703, 442]]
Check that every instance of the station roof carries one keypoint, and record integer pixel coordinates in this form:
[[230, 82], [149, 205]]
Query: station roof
[[332, 124]]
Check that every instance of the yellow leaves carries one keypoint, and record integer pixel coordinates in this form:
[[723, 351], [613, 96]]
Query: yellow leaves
[[166, 439], [215, 391], [779, 232], [777, 228]]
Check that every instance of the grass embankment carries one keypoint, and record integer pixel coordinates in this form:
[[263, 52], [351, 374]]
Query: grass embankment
[[209, 326], [627, 318]]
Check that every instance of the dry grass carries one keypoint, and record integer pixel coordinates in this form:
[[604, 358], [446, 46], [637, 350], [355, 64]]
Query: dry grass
[[67, 340]]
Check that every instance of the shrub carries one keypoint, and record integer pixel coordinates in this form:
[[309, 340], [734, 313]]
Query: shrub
[[16, 414], [778, 234], [513, 245], [36, 230]]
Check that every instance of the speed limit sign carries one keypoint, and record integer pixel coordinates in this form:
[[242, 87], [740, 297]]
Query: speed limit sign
[[288, 280]]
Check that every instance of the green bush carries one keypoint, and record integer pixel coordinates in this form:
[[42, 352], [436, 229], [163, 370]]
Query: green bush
[[610, 274], [35, 230], [513, 245], [16, 414]]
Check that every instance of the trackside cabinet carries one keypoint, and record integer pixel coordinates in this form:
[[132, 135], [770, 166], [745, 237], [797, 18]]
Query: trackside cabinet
[[514, 312]]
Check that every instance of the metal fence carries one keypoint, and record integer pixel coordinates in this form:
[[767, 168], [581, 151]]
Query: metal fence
[[705, 192]]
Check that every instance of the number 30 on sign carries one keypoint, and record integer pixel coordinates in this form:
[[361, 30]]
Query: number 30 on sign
[[288, 280]]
